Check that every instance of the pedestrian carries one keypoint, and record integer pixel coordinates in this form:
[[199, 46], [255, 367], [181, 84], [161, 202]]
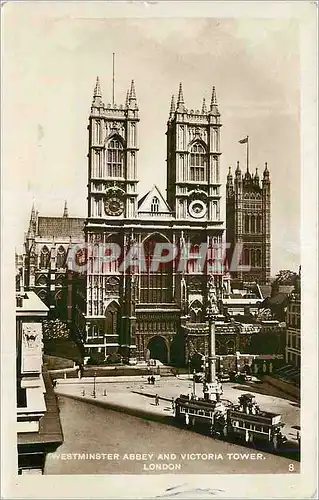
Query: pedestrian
[[173, 404], [156, 399], [153, 379], [149, 379]]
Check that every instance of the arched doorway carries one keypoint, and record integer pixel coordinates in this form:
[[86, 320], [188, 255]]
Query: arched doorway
[[158, 349]]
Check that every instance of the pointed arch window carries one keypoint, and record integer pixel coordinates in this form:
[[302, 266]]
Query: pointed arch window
[[115, 158], [194, 265], [197, 163], [156, 278], [246, 257], [43, 295], [42, 280], [111, 317], [253, 224], [258, 258], [155, 205], [98, 131], [246, 223], [44, 258], [196, 313], [60, 258], [258, 224], [253, 257]]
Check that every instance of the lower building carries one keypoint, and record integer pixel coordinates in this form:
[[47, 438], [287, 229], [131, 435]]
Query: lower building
[[38, 425], [44, 266], [293, 338]]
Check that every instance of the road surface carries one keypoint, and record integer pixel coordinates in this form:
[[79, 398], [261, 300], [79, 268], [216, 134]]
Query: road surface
[[102, 441]]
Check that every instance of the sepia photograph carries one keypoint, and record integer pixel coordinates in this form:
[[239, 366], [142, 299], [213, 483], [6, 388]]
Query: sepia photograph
[[154, 201]]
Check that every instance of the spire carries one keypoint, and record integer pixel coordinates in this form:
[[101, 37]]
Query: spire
[[214, 98], [229, 178], [247, 175], [204, 107], [173, 107], [33, 222], [180, 99], [132, 91], [132, 97], [238, 171], [127, 98], [97, 90], [257, 176], [32, 218], [97, 94], [65, 211], [266, 172], [213, 103]]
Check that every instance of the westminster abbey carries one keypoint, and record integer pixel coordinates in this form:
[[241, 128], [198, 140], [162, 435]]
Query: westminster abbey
[[157, 312]]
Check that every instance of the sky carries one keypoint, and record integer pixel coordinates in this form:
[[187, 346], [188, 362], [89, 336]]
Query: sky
[[50, 63]]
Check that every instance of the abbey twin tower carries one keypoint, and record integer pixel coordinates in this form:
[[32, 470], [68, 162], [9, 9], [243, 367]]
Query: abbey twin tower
[[142, 310]]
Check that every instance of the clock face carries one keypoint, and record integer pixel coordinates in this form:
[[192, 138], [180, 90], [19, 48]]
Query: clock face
[[197, 209], [113, 206]]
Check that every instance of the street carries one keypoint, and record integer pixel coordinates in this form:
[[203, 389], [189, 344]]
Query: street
[[98, 440]]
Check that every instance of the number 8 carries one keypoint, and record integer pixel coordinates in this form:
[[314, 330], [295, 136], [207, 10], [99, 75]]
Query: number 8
[[291, 467]]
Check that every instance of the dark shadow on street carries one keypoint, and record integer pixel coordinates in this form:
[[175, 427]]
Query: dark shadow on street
[[265, 390]]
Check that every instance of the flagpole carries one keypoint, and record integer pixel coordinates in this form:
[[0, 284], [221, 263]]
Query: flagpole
[[113, 77], [247, 153]]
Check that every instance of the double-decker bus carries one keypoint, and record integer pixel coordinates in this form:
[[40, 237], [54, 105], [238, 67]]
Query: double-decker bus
[[228, 421]]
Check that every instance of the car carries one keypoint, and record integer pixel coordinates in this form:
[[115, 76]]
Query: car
[[239, 377], [224, 377]]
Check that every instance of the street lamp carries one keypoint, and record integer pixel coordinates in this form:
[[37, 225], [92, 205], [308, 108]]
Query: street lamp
[[94, 377], [237, 362], [189, 369], [194, 386]]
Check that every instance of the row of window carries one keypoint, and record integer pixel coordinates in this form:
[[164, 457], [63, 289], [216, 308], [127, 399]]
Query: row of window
[[115, 163], [252, 257], [44, 261], [43, 281], [194, 411], [293, 358], [252, 223], [293, 341], [110, 324], [155, 296], [252, 427], [95, 308], [156, 326], [293, 320]]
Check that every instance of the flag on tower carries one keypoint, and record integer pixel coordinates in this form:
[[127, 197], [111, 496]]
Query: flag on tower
[[243, 141]]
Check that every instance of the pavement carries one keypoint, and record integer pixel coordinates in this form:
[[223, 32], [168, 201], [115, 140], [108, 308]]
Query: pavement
[[137, 397]]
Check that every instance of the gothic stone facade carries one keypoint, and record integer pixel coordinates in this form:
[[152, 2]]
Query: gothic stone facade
[[145, 313], [248, 223], [47, 248]]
